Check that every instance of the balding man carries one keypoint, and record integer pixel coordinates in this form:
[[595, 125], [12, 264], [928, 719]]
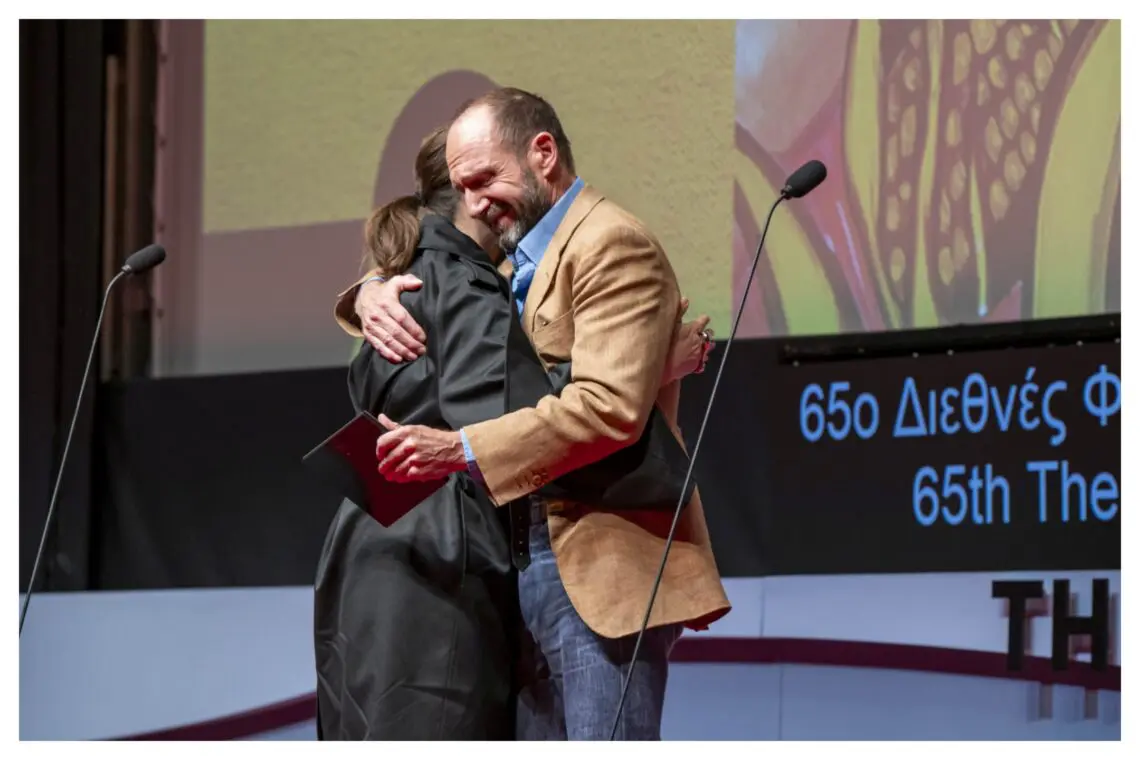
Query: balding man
[[594, 289]]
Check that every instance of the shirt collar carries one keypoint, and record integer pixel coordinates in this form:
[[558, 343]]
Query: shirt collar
[[534, 243]]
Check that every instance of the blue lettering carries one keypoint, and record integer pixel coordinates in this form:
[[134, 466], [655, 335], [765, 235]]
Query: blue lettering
[[956, 493], [1042, 469], [1078, 496], [996, 483], [836, 404], [811, 413], [1059, 430], [974, 396], [1029, 388], [1104, 487], [840, 417], [868, 402], [909, 396], [1070, 480], [1099, 406], [948, 395], [1003, 413], [954, 490], [925, 498]]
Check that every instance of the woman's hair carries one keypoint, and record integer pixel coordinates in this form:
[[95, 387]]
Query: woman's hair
[[393, 230]]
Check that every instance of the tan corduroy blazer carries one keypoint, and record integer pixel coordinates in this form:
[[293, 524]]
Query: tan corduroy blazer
[[604, 298]]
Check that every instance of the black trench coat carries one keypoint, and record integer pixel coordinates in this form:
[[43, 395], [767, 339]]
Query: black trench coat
[[416, 625]]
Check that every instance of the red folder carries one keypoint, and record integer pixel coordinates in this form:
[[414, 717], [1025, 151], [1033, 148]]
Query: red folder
[[346, 460]]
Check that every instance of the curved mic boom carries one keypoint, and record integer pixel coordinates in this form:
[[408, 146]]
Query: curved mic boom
[[137, 263], [802, 181]]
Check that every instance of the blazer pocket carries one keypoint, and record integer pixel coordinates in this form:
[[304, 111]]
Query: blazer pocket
[[555, 337]]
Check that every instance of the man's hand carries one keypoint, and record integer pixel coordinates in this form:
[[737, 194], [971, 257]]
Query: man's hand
[[409, 453], [692, 344], [387, 325]]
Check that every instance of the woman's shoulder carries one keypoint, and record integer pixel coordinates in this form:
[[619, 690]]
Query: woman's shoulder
[[448, 269]]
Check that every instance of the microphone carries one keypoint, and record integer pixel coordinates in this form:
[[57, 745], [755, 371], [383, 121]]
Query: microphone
[[802, 181], [805, 179], [140, 261], [146, 259]]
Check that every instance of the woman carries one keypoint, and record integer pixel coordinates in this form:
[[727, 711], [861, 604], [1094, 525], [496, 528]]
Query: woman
[[415, 624]]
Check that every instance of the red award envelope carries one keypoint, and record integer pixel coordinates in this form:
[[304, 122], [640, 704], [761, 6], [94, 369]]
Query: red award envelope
[[346, 460]]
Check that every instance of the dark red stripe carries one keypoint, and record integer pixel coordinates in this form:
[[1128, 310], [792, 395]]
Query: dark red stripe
[[867, 654], [749, 651], [239, 725]]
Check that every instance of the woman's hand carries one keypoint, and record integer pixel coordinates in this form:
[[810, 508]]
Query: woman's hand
[[692, 344], [387, 325]]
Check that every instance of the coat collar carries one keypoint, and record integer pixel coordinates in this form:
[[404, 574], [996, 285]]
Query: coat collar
[[439, 234]]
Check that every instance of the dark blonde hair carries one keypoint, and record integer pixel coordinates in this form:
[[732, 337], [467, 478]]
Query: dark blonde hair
[[393, 230]]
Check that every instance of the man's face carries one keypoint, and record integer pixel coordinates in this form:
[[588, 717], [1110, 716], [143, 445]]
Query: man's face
[[498, 188]]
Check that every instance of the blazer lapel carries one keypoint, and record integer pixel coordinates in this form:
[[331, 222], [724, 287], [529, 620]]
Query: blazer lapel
[[587, 199]]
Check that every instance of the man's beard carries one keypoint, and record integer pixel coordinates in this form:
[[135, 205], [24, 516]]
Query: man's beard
[[532, 206]]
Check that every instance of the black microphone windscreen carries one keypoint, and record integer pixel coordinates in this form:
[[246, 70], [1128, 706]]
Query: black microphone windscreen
[[805, 179], [148, 258]]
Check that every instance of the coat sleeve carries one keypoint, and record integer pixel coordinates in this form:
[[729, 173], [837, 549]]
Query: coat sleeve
[[625, 306], [467, 342]]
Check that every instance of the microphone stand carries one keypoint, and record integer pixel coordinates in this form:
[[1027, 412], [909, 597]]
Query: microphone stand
[[784, 195], [66, 448]]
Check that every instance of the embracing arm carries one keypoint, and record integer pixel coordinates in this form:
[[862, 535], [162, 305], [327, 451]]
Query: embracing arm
[[625, 309], [371, 309], [345, 310], [467, 347]]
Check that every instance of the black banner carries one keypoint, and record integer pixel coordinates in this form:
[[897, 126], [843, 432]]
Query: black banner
[[202, 483], [984, 460]]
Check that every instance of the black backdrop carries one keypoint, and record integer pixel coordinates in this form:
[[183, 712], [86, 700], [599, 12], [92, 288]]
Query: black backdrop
[[202, 482], [61, 154]]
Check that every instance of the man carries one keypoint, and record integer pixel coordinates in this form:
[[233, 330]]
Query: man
[[594, 289]]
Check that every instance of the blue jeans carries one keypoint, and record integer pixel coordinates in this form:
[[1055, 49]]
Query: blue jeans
[[571, 676]]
